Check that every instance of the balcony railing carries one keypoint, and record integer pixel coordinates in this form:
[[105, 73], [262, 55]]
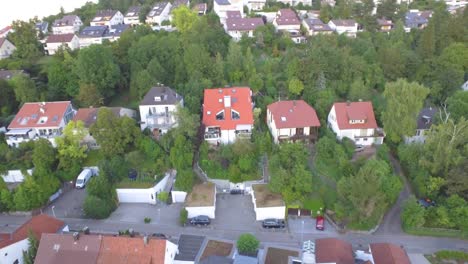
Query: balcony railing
[[243, 134], [212, 136], [297, 137]]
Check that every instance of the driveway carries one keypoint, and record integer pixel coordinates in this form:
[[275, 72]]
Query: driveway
[[69, 205], [136, 213], [235, 212], [295, 226]]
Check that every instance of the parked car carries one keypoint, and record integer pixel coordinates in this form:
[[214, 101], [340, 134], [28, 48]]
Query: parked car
[[159, 235], [237, 191], [320, 223], [273, 223], [83, 178], [200, 220], [359, 148], [426, 202]]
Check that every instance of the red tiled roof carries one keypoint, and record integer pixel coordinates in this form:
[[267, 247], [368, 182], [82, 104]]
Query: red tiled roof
[[61, 38], [128, 250], [332, 250], [292, 114], [214, 102], [386, 253], [38, 225], [287, 17], [1, 41], [30, 114], [5, 30], [355, 111], [87, 115]]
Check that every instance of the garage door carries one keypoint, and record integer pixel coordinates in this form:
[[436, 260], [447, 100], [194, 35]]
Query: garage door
[[293, 211], [305, 212]]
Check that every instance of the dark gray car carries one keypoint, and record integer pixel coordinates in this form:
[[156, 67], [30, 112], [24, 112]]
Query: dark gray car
[[200, 220], [273, 223]]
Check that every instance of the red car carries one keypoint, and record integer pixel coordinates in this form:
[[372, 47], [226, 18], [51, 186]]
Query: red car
[[320, 223]]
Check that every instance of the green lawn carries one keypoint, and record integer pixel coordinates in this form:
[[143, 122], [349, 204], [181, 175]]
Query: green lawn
[[123, 99], [436, 232], [136, 184], [94, 156]]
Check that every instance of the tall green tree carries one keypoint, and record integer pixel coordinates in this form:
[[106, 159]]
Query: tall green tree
[[30, 254], [183, 18], [71, 153], [24, 37], [24, 88], [404, 100], [413, 214]]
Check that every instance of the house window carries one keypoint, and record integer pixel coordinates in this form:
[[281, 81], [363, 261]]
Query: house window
[[235, 115], [220, 115], [418, 132]]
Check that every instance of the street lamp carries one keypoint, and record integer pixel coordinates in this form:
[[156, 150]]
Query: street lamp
[[53, 211]]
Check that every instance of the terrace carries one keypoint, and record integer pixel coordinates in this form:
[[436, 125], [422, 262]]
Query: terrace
[[201, 195], [265, 198]]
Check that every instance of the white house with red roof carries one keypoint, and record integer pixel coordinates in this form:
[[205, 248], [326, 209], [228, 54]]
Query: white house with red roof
[[227, 114], [292, 121], [54, 42], [356, 121], [6, 48], [39, 120]]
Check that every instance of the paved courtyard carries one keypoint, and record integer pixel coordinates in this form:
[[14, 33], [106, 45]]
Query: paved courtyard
[[235, 212], [136, 213], [295, 226], [68, 205]]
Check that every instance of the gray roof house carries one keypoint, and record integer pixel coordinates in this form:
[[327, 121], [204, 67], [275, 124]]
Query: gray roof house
[[189, 247], [158, 108], [417, 19], [423, 124]]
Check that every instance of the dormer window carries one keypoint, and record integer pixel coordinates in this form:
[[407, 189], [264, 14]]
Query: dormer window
[[220, 115], [235, 115], [158, 98], [357, 121]]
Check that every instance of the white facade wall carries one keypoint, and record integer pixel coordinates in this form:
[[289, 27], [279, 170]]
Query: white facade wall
[[13, 252], [275, 132], [13, 176], [117, 19], [68, 29], [237, 35], [262, 213], [255, 5], [348, 31], [132, 20], [142, 195], [162, 17], [201, 210], [286, 27], [6, 49], [220, 10], [178, 196], [86, 42], [171, 251], [53, 47], [160, 109]]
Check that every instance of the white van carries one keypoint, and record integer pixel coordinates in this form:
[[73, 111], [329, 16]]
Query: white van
[[83, 178]]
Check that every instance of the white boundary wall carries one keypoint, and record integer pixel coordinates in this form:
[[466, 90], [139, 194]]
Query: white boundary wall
[[142, 195], [13, 176]]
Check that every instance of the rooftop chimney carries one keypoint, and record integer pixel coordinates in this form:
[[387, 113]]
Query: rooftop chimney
[[227, 101], [145, 240]]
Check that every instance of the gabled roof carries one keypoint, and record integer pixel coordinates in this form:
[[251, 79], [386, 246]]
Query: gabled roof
[[161, 95], [47, 114], [58, 249], [414, 18], [104, 15], [243, 24], [42, 26], [68, 20], [333, 250], [344, 22], [123, 250], [233, 14], [237, 99], [287, 17], [133, 11], [386, 253], [93, 32], [189, 246], [117, 30], [426, 118], [292, 114], [222, 2], [89, 115], [61, 38], [316, 24], [5, 30], [157, 9], [38, 224], [347, 111]]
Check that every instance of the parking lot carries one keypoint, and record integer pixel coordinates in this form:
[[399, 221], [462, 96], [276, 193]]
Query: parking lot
[[295, 226], [235, 212], [136, 213], [68, 205]]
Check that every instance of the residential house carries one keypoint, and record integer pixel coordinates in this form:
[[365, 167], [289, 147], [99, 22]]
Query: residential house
[[69, 24], [201, 9], [333, 250], [255, 5], [286, 20], [315, 26], [349, 27], [281, 255], [6, 48], [384, 25], [132, 17], [296, 2], [423, 124], [416, 19], [5, 31], [92, 35], [383, 253], [159, 13], [188, 248], [236, 26], [54, 42], [107, 18], [39, 120], [42, 27], [8, 74], [12, 244], [102, 249], [292, 121], [220, 7], [356, 121], [114, 32], [158, 110], [227, 114], [89, 116]]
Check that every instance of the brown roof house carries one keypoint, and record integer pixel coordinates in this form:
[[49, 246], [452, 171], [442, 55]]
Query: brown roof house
[[100, 249], [333, 250], [237, 26], [292, 120], [288, 22], [89, 116], [315, 26], [12, 244], [54, 42], [386, 253], [356, 121]]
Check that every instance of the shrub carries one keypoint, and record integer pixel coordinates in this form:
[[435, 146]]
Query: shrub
[[147, 220], [247, 244], [163, 196], [97, 208], [413, 214], [183, 216], [452, 255]]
